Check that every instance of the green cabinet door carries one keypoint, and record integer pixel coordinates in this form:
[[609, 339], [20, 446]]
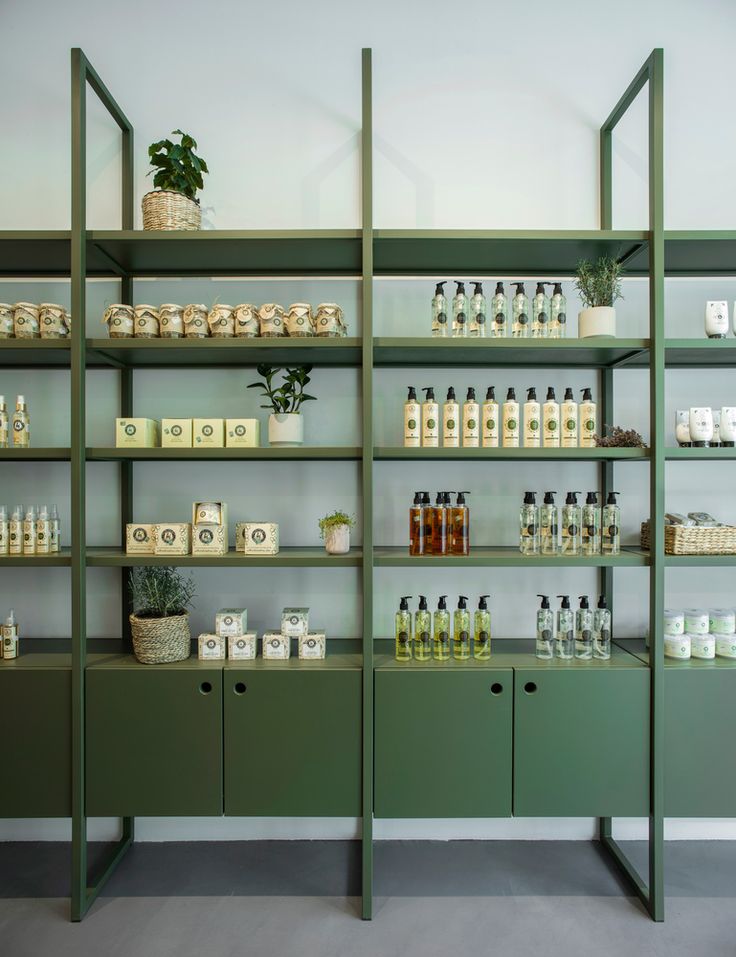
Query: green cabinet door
[[443, 742], [293, 739], [35, 714], [154, 739], [581, 741]]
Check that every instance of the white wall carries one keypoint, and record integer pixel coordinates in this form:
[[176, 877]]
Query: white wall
[[489, 120]]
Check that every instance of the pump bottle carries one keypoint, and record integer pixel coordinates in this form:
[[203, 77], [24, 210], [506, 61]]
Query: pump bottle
[[532, 420], [548, 525], [4, 531], [529, 525], [540, 312], [441, 647], [416, 526], [569, 417], [412, 421], [451, 421], [439, 312], [571, 519], [4, 424], [587, 421], [10, 637], [482, 631], [29, 531], [489, 420], [478, 312], [459, 527], [43, 531], [430, 420], [471, 421], [439, 523], [557, 313], [611, 526], [591, 525], [602, 630], [500, 312], [422, 631], [403, 630], [520, 312], [511, 421], [565, 643], [21, 424], [55, 530], [461, 630], [545, 630], [15, 531], [428, 522], [584, 629], [460, 312], [551, 421]]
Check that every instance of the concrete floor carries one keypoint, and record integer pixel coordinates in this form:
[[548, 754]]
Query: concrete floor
[[258, 899]]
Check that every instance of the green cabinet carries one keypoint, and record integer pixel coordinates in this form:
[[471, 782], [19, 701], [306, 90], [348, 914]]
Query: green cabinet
[[293, 737], [581, 739], [35, 713], [443, 740], [154, 738]]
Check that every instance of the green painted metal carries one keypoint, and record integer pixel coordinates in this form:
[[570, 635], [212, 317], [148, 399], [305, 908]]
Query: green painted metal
[[64, 557], [443, 743], [35, 455], [126, 494], [511, 455], [286, 558], [292, 741], [627, 870], [699, 455], [34, 353], [700, 353], [265, 454], [27, 252], [692, 561], [505, 557]]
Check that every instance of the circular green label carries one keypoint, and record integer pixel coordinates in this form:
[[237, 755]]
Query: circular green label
[[450, 423], [570, 425], [431, 423], [534, 425], [412, 424], [511, 425], [552, 425], [589, 425], [491, 425], [471, 423]]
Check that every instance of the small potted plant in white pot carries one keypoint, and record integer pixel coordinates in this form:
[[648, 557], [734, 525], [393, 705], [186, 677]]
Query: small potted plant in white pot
[[335, 530], [599, 286], [285, 424], [177, 170], [159, 624]]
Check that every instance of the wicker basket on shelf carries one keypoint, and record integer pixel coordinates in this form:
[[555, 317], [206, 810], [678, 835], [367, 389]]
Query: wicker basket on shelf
[[166, 209], [157, 641], [694, 539]]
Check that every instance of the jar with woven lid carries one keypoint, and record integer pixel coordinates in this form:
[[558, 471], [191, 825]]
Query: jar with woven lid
[[7, 329], [329, 320], [171, 320], [120, 320], [146, 322], [195, 321], [299, 320], [221, 321], [246, 320], [271, 320], [52, 321], [25, 320]]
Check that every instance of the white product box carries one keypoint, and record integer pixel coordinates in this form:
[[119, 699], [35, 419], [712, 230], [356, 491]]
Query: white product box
[[257, 538], [242, 433], [313, 645], [136, 433], [208, 433], [276, 646], [242, 646], [210, 648], [139, 539], [176, 433], [172, 538], [209, 513], [209, 539], [295, 622], [231, 622]]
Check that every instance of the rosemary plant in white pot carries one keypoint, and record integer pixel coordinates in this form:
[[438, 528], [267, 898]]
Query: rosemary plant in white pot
[[599, 286]]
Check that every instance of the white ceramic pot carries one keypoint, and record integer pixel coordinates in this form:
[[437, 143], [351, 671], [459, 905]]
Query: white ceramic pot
[[597, 321], [337, 540], [285, 428]]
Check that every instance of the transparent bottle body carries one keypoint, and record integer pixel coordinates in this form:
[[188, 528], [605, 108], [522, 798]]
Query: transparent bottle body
[[529, 530], [4, 428], [558, 317], [540, 316], [458, 532], [422, 636], [499, 316], [548, 530], [482, 635], [416, 531], [21, 428], [403, 636], [570, 530], [477, 316], [441, 646], [439, 317], [545, 634], [611, 530], [460, 316], [565, 640], [602, 634], [591, 530], [461, 635], [520, 317], [584, 633]]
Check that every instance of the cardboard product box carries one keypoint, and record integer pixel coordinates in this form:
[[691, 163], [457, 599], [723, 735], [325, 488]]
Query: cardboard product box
[[176, 433], [258, 538], [209, 513], [208, 434], [276, 647], [295, 622], [136, 433], [231, 622], [313, 645], [172, 538], [209, 539], [210, 648], [243, 646], [242, 433], [140, 539]]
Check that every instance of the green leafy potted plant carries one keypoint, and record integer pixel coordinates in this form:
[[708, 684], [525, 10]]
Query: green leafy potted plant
[[285, 424], [159, 624], [334, 529], [177, 175], [599, 286]]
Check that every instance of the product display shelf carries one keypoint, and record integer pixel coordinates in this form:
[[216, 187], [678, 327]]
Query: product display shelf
[[695, 252], [702, 560], [677, 454], [34, 353], [506, 557], [505, 653], [51, 454], [511, 455], [700, 353], [30, 253], [638, 648], [62, 557], [288, 557], [314, 453]]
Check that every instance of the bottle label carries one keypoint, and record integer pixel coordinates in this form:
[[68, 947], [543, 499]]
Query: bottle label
[[403, 637], [443, 638], [500, 318], [442, 318], [460, 318], [612, 531], [463, 637], [480, 318], [483, 637], [424, 638], [562, 318]]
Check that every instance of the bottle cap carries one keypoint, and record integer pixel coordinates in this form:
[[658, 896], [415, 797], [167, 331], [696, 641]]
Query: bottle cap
[[412, 393], [602, 602], [611, 500], [438, 290], [499, 289], [583, 601], [451, 394], [490, 393], [482, 604], [10, 620], [511, 394], [462, 601], [471, 394], [422, 603], [569, 397], [2, 400], [545, 600], [520, 291], [549, 498], [530, 498], [531, 394], [551, 394], [425, 498], [30, 512], [18, 513], [565, 601], [572, 498], [587, 394], [404, 605], [20, 400], [478, 291], [417, 498], [460, 287], [43, 511], [591, 498], [440, 500], [430, 392], [558, 289], [540, 287], [461, 498]]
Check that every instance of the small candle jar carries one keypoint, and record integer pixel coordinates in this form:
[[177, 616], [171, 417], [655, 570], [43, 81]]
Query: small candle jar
[[52, 321], [246, 321], [171, 320], [701, 427], [221, 321], [25, 320], [682, 428], [120, 321], [299, 320], [716, 320], [195, 321], [7, 329], [329, 320], [146, 322], [271, 320]]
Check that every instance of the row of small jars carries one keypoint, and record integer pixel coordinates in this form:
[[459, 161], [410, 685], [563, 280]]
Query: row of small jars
[[195, 321], [29, 320]]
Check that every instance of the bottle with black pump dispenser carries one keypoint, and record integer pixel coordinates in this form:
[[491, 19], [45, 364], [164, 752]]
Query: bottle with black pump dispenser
[[571, 522], [403, 630], [511, 421], [611, 526], [565, 642], [430, 420], [439, 523], [602, 630], [545, 630], [461, 630], [459, 527], [428, 522], [591, 525], [412, 421], [482, 631], [451, 421], [551, 421], [460, 312], [548, 525], [422, 631], [477, 327], [569, 420], [540, 312], [500, 313], [557, 313], [441, 647], [584, 630], [439, 312], [588, 416], [416, 526], [471, 421], [519, 312], [532, 420], [529, 525], [489, 420]]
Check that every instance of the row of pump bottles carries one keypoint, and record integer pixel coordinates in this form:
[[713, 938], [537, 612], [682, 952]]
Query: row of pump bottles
[[439, 529], [584, 634], [423, 639], [572, 529], [546, 319]]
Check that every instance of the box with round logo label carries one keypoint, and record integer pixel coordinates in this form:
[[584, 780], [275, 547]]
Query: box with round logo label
[[209, 539], [242, 646], [139, 539], [313, 645], [176, 433], [295, 622], [276, 647], [257, 538], [210, 648], [208, 433], [242, 433], [231, 622], [172, 538], [136, 433]]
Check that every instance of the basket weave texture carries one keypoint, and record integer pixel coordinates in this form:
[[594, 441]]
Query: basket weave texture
[[166, 209], [694, 540], [157, 641]]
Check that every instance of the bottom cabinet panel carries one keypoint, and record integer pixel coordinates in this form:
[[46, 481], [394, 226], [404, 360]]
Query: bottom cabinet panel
[[293, 742], [154, 741], [581, 743], [443, 743]]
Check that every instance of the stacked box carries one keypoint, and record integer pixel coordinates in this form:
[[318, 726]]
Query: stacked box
[[231, 622], [210, 648], [209, 539], [257, 538], [313, 645], [172, 538], [276, 646], [295, 622], [243, 646], [140, 539], [242, 433]]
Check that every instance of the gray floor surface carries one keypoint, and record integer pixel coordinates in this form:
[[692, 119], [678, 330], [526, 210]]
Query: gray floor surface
[[432, 898]]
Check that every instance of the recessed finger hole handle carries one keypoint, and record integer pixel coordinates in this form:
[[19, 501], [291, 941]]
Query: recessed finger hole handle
[[240, 687], [205, 687], [530, 687], [496, 687]]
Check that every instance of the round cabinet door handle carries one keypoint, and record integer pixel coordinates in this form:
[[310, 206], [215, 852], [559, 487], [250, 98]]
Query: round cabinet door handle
[[240, 687], [530, 687], [496, 687], [205, 687]]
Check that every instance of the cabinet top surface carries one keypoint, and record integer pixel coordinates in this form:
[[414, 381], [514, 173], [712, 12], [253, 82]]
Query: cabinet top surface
[[509, 653]]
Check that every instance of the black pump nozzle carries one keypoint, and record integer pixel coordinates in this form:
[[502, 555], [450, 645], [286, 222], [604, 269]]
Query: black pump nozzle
[[602, 602], [451, 394], [531, 394], [442, 603], [462, 602], [565, 601], [471, 394], [530, 498], [478, 291], [551, 394], [572, 498], [425, 499], [549, 498], [422, 603], [583, 601], [461, 497], [569, 397], [545, 600], [482, 604], [440, 500], [491, 393], [612, 498], [587, 394], [404, 604], [519, 288], [417, 498], [412, 394], [446, 497], [429, 389], [511, 394], [499, 289], [591, 498], [460, 287], [438, 290], [541, 285], [558, 289]]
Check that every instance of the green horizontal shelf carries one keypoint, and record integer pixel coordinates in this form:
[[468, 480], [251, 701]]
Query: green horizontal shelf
[[34, 353], [678, 454], [42, 253], [637, 647], [399, 453], [286, 558], [332, 662], [52, 454], [695, 560], [187, 353], [693, 252], [700, 353], [504, 556], [36, 561], [506, 653], [301, 453]]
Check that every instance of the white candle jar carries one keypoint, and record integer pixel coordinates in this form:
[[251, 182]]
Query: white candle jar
[[7, 329], [722, 621], [299, 320], [246, 321], [195, 321], [52, 321], [674, 623], [697, 621], [271, 320], [329, 320], [171, 320], [716, 319], [25, 320], [682, 428], [221, 322], [728, 426], [677, 647], [120, 321], [702, 646], [146, 322], [701, 427]]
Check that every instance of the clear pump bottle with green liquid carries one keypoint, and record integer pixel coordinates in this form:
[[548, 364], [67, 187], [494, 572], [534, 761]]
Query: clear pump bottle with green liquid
[[403, 630], [461, 630], [441, 648], [482, 630], [422, 631]]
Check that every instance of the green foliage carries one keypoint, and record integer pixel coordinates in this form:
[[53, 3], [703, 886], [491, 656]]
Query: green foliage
[[619, 438], [333, 520], [599, 283], [176, 166], [289, 396], [158, 591]]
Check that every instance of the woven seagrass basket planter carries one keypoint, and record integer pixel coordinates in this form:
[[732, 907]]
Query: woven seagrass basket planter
[[157, 641], [166, 209], [694, 540]]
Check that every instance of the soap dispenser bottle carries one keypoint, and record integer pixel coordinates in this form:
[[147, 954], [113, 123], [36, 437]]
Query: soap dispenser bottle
[[520, 312], [500, 312], [15, 531], [587, 421], [557, 313], [439, 523], [412, 421], [4, 424], [591, 525], [477, 312], [548, 526], [422, 631], [416, 526], [529, 525], [430, 420], [611, 526], [459, 528], [532, 420], [540, 312], [441, 648], [471, 421], [569, 420], [565, 643], [10, 637], [584, 630], [571, 520], [551, 421], [461, 630], [602, 630], [428, 522], [21, 424], [451, 421], [439, 312], [482, 631], [545, 630], [511, 421], [403, 630], [460, 312], [489, 420]]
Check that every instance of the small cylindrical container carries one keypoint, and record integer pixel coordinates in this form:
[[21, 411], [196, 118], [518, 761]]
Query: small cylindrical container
[[7, 329], [120, 321], [246, 321], [716, 319], [329, 320], [701, 427], [682, 428], [697, 621], [299, 320], [722, 621], [726, 646], [52, 321], [674, 623], [146, 322], [703, 646], [678, 648], [195, 321], [25, 320], [171, 320], [221, 321]]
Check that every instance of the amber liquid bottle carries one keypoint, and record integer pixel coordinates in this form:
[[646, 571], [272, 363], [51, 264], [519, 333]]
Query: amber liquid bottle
[[460, 526], [428, 520], [416, 526], [440, 514]]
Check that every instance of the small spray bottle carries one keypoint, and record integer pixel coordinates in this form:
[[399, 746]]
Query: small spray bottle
[[29, 531], [529, 525], [412, 421], [520, 312], [565, 643], [540, 312], [441, 648], [591, 525], [602, 631], [416, 526], [10, 637], [478, 312], [55, 530], [461, 630], [500, 313], [4, 531], [4, 424], [43, 531], [584, 630], [557, 313], [422, 631], [571, 519], [611, 526], [451, 421], [15, 531], [403, 630], [21, 424], [545, 630], [460, 312], [489, 420], [439, 312], [548, 525], [482, 631]]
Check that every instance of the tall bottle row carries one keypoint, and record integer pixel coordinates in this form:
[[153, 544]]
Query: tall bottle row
[[545, 318], [574, 529]]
